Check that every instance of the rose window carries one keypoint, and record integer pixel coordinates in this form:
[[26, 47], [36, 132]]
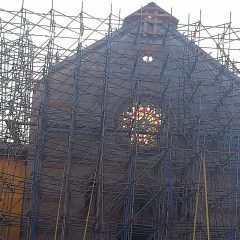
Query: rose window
[[141, 122]]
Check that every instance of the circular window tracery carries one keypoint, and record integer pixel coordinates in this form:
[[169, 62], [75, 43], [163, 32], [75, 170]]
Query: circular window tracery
[[141, 123]]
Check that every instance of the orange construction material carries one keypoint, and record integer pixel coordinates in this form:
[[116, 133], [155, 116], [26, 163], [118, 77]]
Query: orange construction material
[[12, 175]]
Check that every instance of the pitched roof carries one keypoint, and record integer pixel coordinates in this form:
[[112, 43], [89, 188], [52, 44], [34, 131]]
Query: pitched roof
[[152, 12]]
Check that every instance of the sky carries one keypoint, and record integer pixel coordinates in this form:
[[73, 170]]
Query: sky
[[213, 11]]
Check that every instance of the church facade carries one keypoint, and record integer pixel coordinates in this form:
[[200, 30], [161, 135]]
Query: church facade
[[136, 137]]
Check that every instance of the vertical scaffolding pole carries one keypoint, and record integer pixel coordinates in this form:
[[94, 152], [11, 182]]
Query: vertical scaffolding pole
[[234, 195], [100, 164], [41, 132], [135, 80], [68, 164], [170, 176]]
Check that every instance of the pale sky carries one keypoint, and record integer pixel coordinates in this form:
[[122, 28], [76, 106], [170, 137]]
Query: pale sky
[[213, 11]]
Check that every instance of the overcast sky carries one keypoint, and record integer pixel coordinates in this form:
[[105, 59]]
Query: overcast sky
[[213, 11]]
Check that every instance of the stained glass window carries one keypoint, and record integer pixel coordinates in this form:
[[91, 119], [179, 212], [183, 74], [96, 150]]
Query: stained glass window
[[141, 122]]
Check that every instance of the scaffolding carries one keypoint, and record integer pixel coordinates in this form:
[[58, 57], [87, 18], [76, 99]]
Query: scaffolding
[[68, 169]]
